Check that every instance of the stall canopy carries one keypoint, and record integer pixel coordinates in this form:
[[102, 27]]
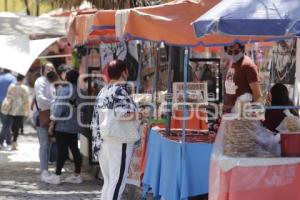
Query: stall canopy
[[77, 29], [18, 52], [251, 17], [14, 24], [171, 23], [92, 27], [103, 26], [168, 22]]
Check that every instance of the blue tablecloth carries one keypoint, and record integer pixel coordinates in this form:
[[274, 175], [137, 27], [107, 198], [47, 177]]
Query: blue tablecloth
[[163, 174]]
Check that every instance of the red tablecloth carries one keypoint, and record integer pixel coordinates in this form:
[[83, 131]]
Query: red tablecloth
[[274, 182]]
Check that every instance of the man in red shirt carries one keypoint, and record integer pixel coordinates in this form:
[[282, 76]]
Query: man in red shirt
[[242, 77]]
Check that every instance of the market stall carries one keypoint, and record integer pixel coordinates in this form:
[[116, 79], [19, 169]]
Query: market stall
[[161, 24], [171, 166], [259, 173], [245, 166]]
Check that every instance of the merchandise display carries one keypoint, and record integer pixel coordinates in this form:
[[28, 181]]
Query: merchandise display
[[247, 138], [191, 136]]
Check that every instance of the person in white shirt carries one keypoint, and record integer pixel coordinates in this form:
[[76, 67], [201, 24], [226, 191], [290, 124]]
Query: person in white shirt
[[44, 98]]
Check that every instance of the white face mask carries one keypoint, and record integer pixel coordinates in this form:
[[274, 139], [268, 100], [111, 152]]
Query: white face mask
[[236, 58]]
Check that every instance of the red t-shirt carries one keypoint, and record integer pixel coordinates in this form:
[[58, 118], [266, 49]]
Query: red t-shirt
[[237, 81]]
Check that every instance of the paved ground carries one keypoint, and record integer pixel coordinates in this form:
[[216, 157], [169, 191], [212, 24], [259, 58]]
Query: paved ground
[[20, 180]]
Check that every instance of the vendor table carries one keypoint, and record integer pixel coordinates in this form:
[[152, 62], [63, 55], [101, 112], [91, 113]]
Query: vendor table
[[255, 178], [164, 171], [252, 178]]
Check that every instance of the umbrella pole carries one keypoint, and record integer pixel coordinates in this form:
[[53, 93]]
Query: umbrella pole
[[169, 92], [157, 78], [185, 76]]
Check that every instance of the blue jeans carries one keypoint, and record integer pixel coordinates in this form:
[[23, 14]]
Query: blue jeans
[[44, 147], [6, 129]]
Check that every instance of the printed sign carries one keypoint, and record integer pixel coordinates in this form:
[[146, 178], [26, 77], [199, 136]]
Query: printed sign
[[196, 93]]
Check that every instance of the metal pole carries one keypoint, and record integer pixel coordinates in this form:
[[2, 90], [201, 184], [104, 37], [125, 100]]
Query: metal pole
[[140, 56], [185, 76], [169, 91]]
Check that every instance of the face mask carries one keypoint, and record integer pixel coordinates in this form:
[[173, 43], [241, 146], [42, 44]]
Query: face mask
[[52, 76], [236, 58]]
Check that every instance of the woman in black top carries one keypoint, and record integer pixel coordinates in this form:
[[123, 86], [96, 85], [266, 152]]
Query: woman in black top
[[279, 97]]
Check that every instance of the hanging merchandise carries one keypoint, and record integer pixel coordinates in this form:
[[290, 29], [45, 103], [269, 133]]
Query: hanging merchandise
[[284, 61], [126, 51]]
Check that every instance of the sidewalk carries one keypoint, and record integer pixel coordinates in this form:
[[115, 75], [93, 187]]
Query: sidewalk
[[20, 178]]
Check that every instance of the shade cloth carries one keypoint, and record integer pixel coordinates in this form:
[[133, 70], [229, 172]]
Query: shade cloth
[[163, 168], [251, 17], [18, 52], [13, 24]]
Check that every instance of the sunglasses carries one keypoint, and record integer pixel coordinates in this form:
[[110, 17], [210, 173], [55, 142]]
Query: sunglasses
[[233, 52]]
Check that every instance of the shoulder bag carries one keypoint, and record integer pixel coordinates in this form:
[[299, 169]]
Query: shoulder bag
[[44, 116], [117, 130]]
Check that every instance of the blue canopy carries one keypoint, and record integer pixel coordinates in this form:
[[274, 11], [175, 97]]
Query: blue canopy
[[251, 18]]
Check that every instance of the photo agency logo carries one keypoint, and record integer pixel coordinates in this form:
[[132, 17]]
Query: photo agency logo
[[89, 86]]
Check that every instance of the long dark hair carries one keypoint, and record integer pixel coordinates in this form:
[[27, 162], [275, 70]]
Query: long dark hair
[[280, 97]]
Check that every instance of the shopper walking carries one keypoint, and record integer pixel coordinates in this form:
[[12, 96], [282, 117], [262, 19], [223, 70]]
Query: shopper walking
[[44, 98], [19, 99], [65, 125], [114, 110], [6, 78]]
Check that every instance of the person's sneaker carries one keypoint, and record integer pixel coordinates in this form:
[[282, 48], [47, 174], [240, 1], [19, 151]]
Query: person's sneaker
[[45, 174], [53, 179], [73, 179]]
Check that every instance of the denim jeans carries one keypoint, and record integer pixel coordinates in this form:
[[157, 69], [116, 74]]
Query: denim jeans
[[44, 147], [6, 129]]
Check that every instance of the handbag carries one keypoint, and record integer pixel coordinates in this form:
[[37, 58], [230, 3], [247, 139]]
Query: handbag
[[6, 105], [44, 116], [116, 130]]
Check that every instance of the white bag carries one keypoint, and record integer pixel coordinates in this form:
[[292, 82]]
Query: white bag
[[117, 130]]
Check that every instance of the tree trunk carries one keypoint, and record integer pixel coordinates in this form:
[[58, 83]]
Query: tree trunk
[[27, 7], [37, 7], [5, 6]]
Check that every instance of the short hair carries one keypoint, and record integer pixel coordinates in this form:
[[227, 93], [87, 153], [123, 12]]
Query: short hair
[[44, 66], [72, 76], [20, 77], [62, 68], [115, 68], [242, 47]]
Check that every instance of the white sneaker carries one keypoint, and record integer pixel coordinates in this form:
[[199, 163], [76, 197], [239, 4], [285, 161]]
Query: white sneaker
[[53, 179], [45, 174], [73, 179]]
